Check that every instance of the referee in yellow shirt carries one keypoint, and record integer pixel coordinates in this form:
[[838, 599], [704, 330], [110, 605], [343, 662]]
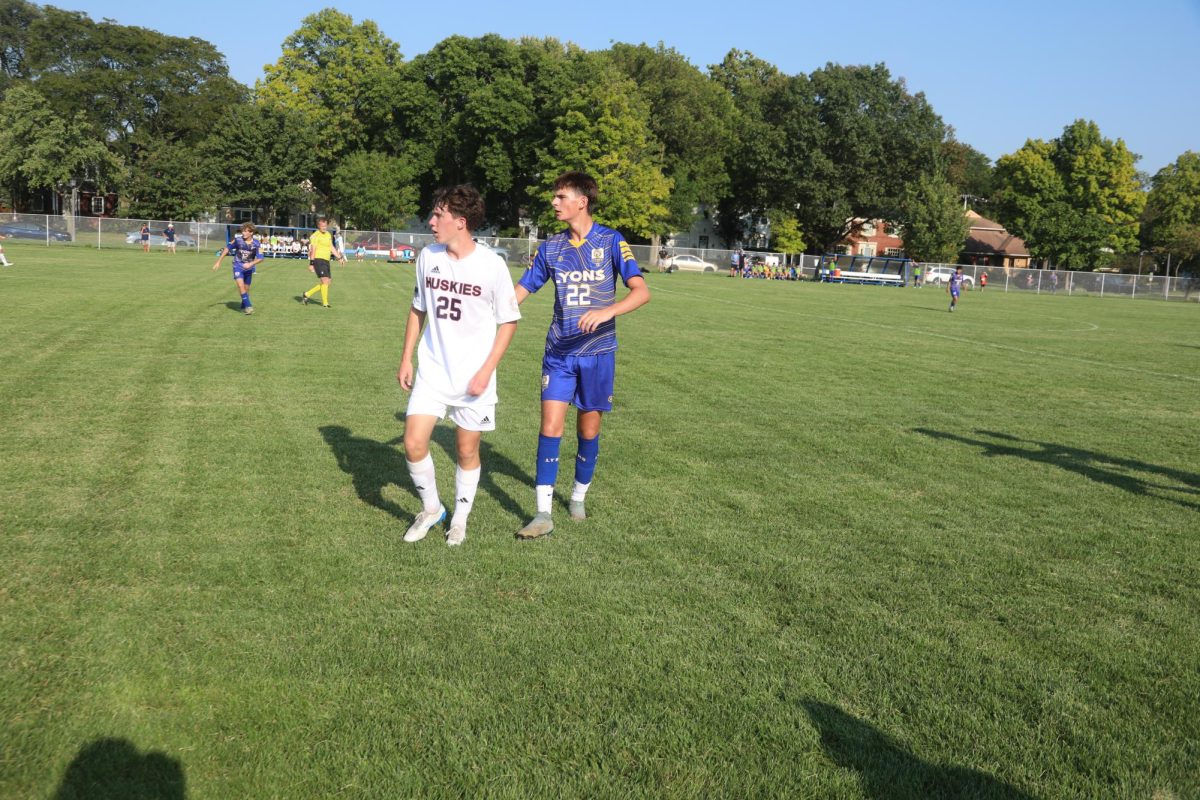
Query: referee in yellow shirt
[[320, 248]]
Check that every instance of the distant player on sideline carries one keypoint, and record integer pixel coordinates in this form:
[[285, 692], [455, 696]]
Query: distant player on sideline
[[320, 248], [584, 262], [3, 260], [954, 287], [467, 293], [169, 237], [246, 256], [145, 231]]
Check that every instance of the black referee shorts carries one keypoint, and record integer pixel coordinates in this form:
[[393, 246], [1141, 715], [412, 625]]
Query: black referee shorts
[[321, 267]]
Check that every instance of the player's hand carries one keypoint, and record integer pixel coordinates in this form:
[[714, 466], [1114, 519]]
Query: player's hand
[[479, 383], [405, 376], [216, 265], [593, 319]]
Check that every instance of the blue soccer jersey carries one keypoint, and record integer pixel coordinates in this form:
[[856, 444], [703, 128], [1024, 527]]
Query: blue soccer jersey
[[585, 278], [956, 282], [243, 252]]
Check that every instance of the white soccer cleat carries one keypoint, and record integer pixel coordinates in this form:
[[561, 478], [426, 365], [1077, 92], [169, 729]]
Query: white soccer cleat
[[456, 535], [538, 527], [577, 510], [424, 521]]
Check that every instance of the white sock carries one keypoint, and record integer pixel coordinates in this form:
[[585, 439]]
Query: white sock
[[580, 491], [424, 480], [545, 498], [466, 481]]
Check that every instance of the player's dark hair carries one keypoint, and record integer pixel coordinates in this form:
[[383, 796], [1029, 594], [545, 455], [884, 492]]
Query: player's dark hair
[[463, 201], [582, 183]]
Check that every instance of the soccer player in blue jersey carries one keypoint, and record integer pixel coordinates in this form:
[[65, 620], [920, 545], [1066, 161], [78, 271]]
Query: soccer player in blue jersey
[[954, 287], [246, 256], [584, 262]]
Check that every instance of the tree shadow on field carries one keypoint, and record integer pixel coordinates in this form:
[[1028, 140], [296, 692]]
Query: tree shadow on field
[[371, 465], [890, 772], [114, 769], [1155, 481]]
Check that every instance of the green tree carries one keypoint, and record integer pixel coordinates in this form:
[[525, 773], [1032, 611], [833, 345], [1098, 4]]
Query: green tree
[[484, 110], [374, 190], [692, 116], [968, 170], [172, 180], [41, 150], [760, 157], [264, 157], [839, 145], [603, 129], [1074, 200], [341, 77], [1171, 220], [785, 231], [935, 227], [17, 18]]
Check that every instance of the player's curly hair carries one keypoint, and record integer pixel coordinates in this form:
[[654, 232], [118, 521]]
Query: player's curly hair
[[463, 201], [582, 183]]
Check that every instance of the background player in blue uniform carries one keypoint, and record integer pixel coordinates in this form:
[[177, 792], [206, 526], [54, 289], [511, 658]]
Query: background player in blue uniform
[[246, 256], [584, 262], [954, 287]]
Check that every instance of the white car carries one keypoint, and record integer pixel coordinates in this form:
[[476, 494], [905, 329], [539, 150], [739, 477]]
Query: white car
[[687, 263], [939, 276]]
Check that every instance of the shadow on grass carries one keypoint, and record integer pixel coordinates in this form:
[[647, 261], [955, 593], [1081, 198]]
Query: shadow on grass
[[889, 771], [113, 769], [1153, 481], [371, 465], [494, 463]]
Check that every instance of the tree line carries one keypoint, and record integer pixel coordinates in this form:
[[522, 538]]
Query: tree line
[[344, 120]]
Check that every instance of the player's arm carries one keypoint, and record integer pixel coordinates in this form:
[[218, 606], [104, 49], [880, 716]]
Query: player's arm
[[221, 257], [412, 333], [638, 296], [504, 337]]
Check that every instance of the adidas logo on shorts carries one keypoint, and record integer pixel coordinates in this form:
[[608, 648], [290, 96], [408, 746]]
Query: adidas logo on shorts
[[485, 420]]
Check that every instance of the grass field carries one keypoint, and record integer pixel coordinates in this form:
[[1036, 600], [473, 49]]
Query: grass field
[[842, 544]]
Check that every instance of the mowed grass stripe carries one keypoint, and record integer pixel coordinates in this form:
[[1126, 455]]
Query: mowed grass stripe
[[825, 558]]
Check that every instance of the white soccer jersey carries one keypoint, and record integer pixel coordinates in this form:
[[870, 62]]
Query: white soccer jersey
[[463, 302]]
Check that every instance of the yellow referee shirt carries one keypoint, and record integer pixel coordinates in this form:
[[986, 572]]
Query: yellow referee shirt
[[322, 244]]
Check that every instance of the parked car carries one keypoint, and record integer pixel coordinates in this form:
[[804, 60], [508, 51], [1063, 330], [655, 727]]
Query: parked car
[[687, 263], [157, 238], [500, 251], [30, 230], [939, 276]]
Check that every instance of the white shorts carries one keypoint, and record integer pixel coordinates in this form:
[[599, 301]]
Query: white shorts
[[474, 417]]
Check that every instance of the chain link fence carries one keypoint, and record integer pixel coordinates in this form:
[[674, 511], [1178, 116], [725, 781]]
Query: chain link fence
[[52, 230]]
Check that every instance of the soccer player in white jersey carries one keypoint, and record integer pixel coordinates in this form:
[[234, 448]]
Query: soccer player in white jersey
[[467, 294], [584, 262]]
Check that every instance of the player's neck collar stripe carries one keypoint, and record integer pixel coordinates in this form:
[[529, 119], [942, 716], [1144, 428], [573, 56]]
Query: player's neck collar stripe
[[586, 236]]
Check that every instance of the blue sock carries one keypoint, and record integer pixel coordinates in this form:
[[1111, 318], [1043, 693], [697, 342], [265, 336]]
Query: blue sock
[[547, 460], [585, 462], [245, 299]]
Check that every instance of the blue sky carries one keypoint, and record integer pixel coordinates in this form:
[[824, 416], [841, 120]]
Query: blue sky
[[999, 72]]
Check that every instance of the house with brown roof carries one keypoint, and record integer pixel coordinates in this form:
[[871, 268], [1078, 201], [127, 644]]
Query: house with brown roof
[[990, 245]]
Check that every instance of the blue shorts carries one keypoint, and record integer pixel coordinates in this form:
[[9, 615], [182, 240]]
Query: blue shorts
[[954, 292], [243, 274], [586, 381]]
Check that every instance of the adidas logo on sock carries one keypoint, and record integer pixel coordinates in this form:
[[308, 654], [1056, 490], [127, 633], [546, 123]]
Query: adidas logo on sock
[[420, 488], [463, 500]]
